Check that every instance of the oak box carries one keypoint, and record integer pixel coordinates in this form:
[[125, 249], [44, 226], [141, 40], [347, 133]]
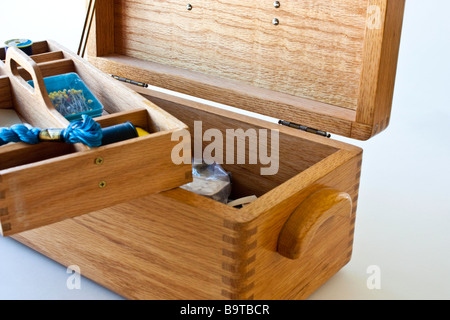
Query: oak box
[[318, 66]]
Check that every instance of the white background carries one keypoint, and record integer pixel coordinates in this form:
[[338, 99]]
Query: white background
[[403, 222]]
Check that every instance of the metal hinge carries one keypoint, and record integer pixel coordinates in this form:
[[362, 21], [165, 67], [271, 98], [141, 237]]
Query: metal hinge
[[282, 122], [304, 128], [136, 83]]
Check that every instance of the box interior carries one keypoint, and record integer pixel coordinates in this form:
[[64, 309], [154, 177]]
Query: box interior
[[295, 154], [15, 155]]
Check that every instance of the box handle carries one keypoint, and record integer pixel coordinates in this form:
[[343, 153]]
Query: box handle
[[33, 104], [301, 227]]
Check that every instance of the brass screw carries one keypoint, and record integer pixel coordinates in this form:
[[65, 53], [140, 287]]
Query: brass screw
[[99, 161], [102, 184]]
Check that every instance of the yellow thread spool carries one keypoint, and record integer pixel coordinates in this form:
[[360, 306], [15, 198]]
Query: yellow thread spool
[[141, 132]]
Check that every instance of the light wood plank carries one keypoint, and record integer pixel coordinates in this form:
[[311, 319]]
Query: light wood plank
[[47, 56], [101, 38], [385, 19]]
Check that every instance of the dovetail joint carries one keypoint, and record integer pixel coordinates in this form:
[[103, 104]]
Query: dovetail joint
[[238, 261], [6, 227]]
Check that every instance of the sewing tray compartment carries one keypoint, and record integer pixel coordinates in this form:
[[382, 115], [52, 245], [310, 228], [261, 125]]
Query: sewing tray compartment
[[50, 181]]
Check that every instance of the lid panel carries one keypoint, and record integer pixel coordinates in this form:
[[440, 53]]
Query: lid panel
[[326, 64], [314, 52]]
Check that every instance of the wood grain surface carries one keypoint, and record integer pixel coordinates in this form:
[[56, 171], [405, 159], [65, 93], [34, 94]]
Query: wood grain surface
[[315, 52]]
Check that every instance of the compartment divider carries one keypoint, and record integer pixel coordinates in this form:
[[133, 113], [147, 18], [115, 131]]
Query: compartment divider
[[51, 68], [48, 56]]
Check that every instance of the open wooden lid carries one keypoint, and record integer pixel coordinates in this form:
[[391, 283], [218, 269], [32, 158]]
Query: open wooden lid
[[329, 65]]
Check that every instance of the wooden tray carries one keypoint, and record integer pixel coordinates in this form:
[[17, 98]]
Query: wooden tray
[[329, 65], [45, 183]]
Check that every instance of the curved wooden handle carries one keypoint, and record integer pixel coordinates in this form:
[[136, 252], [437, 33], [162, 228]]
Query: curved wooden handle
[[301, 227], [33, 104], [14, 58]]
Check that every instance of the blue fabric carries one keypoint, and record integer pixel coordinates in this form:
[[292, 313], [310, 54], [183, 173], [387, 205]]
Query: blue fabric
[[86, 131], [18, 133]]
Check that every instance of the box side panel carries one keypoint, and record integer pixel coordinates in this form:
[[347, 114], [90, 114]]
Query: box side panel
[[51, 190], [152, 248], [166, 246], [277, 277]]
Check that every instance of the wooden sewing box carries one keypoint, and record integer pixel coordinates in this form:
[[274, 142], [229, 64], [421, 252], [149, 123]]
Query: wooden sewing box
[[118, 213]]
